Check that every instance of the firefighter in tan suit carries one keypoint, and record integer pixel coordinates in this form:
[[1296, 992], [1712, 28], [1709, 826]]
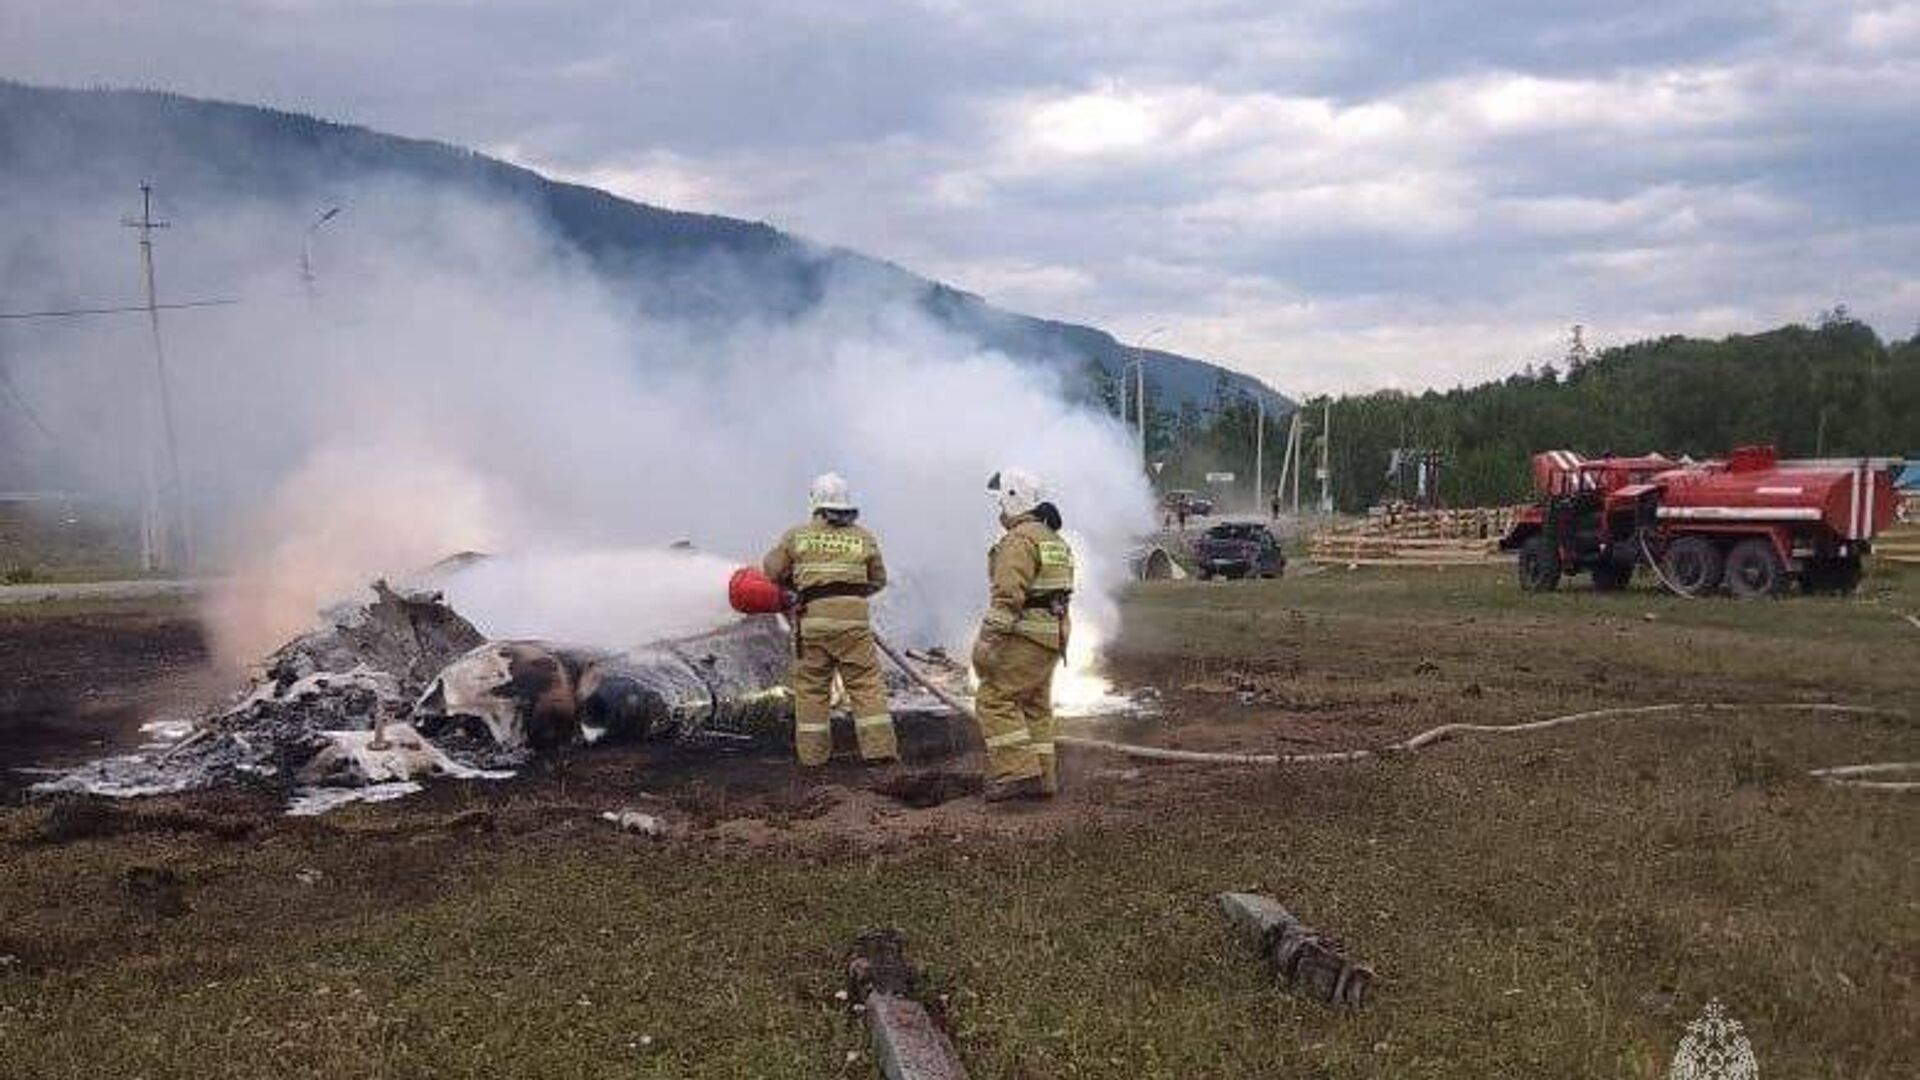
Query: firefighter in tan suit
[[834, 566], [1022, 639]]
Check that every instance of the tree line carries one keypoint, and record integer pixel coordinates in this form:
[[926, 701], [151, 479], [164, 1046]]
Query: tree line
[[1832, 389]]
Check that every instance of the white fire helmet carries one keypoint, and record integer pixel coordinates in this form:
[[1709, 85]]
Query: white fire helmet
[[829, 492], [1017, 491]]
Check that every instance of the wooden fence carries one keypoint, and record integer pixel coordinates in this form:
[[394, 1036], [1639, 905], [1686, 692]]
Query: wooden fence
[[1901, 543], [1471, 538], [1406, 537]]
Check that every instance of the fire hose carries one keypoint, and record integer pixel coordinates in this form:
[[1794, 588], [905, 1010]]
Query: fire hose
[[1654, 565], [1845, 774], [1848, 774]]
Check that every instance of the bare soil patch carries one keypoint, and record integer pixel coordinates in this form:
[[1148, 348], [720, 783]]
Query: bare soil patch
[[74, 684]]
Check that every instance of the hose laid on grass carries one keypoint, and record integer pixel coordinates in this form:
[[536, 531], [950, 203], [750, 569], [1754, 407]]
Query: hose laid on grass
[[1844, 774], [1868, 770], [1848, 775], [1448, 731]]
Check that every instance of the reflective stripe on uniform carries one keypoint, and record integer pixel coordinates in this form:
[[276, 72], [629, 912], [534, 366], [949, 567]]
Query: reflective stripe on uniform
[[1043, 747], [1010, 738], [879, 720], [811, 729], [859, 568], [825, 622]]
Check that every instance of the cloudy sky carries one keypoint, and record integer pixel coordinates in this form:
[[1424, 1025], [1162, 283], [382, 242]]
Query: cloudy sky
[[1331, 195]]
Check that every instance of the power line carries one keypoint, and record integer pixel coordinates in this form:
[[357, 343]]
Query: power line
[[20, 402], [126, 310]]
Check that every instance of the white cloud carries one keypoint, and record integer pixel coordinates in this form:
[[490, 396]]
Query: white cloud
[[1668, 209], [1333, 194], [1093, 123], [1020, 284], [1659, 101], [1885, 29], [658, 178], [1408, 206]]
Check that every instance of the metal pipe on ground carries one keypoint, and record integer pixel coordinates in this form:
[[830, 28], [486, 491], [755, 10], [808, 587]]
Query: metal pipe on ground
[[907, 1043], [1298, 955]]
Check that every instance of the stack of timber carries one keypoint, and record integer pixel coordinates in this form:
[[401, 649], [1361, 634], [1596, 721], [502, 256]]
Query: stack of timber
[[1901, 542], [1405, 537]]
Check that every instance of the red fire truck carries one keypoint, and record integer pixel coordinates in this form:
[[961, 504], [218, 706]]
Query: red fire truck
[[1751, 523]]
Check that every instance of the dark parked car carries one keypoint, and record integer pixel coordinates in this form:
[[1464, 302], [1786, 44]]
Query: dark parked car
[[1238, 550]]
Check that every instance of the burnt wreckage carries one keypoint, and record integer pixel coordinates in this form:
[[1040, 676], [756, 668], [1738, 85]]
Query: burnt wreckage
[[388, 692]]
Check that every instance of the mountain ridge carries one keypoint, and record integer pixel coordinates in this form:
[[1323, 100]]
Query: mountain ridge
[[218, 146]]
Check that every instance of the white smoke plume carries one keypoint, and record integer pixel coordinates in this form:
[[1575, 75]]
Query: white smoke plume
[[461, 383]]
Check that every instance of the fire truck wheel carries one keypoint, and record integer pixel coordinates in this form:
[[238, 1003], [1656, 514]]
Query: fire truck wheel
[[1612, 576], [1693, 565], [1539, 565], [1755, 570]]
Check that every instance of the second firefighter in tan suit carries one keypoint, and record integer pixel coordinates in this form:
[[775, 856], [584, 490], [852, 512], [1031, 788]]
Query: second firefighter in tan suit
[[1022, 639], [833, 565]]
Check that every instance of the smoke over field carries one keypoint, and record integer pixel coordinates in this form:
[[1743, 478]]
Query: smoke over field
[[460, 381]]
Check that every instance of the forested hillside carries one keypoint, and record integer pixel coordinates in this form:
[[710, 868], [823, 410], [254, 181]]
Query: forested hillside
[[1834, 389]]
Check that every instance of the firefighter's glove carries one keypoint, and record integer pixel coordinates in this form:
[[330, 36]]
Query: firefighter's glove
[[999, 621]]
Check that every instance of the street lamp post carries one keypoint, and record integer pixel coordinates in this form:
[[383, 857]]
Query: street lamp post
[[1140, 391], [306, 250]]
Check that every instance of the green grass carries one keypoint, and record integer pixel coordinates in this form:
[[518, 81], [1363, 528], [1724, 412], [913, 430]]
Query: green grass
[[1549, 905]]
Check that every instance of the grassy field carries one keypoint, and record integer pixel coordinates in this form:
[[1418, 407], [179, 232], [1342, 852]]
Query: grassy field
[[1557, 904], [52, 542]]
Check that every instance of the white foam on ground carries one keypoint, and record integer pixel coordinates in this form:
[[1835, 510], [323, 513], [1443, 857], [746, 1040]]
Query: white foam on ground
[[163, 735], [167, 731], [310, 802], [127, 776]]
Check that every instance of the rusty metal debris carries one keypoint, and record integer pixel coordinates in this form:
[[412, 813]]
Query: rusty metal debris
[[908, 1044], [1299, 956]]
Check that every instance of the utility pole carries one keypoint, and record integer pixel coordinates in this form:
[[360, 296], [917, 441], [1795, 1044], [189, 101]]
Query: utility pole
[[1140, 394], [1326, 458], [1295, 462], [1286, 456], [1259, 456], [1140, 402], [1299, 457], [155, 542]]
